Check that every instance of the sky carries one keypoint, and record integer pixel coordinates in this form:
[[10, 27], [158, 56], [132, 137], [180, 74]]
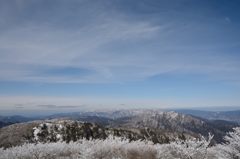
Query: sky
[[61, 55]]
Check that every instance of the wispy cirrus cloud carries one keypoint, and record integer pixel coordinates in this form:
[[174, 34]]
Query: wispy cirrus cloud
[[93, 42], [28, 53]]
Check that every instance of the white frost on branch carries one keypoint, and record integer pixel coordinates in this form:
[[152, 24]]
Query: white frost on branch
[[118, 148]]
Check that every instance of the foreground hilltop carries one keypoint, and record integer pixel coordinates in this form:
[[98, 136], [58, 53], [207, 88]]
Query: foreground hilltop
[[152, 125]]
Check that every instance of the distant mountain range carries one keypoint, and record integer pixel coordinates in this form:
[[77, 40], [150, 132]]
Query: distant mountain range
[[2, 124], [233, 116], [140, 124], [8, 120], [103, 117]]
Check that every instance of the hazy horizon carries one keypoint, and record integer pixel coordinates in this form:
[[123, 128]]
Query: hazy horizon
[[52, 110]]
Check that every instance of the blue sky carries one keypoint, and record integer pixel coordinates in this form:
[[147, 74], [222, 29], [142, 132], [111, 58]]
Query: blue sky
[[119, 54]]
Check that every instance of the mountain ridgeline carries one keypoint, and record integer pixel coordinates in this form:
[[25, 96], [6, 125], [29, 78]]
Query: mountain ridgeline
[[152, 125], [232, 116]]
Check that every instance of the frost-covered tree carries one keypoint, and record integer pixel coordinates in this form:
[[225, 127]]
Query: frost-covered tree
[[230, 149], [187, 149], [119, 148]]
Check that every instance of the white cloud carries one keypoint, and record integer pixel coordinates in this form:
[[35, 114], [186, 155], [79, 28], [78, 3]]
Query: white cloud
[[117, 48], [79, 103]]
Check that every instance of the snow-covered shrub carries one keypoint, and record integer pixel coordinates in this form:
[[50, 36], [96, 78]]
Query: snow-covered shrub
[[230, 149], [42, 151], [118, 148], [189, 149], [111, 148]]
